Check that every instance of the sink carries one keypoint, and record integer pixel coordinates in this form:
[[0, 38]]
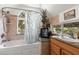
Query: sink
[[67, 39], [59, 37], [71, 40]]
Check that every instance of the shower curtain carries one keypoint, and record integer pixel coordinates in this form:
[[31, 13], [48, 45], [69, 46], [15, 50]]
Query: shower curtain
[[32, 27], [32, 23]]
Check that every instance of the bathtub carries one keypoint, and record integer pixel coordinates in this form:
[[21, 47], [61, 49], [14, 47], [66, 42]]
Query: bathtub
[[19, 47]]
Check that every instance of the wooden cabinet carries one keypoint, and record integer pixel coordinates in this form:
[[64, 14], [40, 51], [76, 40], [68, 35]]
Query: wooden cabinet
[[64, 52], [60, 48], [45, 48], [55, 49]]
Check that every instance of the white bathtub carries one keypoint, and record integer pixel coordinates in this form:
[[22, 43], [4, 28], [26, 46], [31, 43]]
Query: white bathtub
[[19, 47]]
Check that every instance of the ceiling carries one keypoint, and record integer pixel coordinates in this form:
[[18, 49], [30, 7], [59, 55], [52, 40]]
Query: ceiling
[[53, 9]]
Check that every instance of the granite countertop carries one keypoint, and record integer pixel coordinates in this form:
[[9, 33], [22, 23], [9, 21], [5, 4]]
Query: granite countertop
[[73, 42]]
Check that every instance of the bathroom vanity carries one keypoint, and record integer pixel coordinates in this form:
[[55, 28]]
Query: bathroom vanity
[[62, 47], [45, 45]]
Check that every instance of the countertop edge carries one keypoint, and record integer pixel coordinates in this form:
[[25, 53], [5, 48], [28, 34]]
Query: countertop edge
[[68, 43]]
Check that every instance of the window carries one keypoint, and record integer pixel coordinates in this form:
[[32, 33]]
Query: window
[[20, 26], [21, 23], [71, 30], [57, 30]]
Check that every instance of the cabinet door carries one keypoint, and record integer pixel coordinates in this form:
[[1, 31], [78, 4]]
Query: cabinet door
[[55, 49], [45, 48], [63, 48], [64, 52]]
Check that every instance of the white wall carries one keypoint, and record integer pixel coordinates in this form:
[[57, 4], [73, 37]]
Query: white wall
[[55, 9], [1, 27], [75, 19]]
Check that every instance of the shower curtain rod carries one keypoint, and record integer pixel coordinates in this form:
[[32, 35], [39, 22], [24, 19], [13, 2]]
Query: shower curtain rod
[[21, 9]]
